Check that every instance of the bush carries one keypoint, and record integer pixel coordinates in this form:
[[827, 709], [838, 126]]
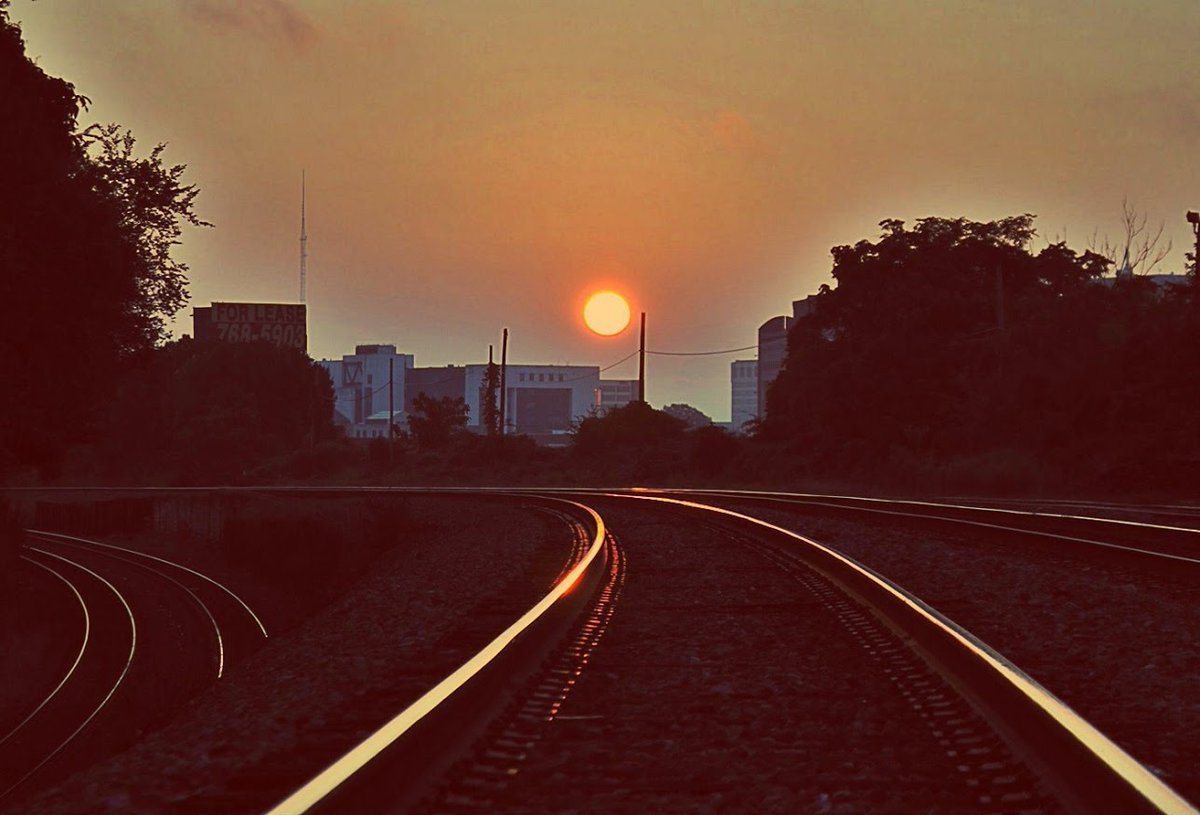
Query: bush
[[710, 449]]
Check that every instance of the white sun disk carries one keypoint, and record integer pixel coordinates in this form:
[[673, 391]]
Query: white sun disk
[[606, 313]]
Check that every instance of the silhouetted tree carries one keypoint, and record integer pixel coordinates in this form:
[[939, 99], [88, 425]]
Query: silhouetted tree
[[85, 269], [687, 414], [434, 422], [1140, 243], [952, 341], [206, 413], [711, 448], [630, 428], [489, 394]]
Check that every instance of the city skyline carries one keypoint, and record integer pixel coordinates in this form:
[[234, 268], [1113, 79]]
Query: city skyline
[[470, 169]]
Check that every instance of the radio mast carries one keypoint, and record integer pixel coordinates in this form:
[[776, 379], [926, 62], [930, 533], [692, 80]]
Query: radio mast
[[303, 241]]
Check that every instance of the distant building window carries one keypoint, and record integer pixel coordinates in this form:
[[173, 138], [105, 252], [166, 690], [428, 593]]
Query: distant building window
[[541, 377], [560, 377], [522, 377]]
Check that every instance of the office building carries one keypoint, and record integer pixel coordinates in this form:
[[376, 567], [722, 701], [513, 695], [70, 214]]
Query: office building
[[361, 388], [743, 380]]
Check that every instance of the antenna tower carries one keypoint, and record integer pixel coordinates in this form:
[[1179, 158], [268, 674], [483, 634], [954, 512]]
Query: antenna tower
[[303, 241]]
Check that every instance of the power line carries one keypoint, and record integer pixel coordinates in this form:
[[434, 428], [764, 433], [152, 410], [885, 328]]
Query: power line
[[630, 356], [700, 353]]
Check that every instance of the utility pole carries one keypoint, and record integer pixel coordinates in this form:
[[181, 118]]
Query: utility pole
[[391, 408], [303, 242], [503, 379], [492, 380], [1194, 219], [642, 363]]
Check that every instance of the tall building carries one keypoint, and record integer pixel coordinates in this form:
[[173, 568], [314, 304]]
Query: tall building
[[772, 350], [743, 380], [615, 393], [360, 386]]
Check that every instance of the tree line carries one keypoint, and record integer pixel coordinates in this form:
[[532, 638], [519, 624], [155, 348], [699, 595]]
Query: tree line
[[950, 354]]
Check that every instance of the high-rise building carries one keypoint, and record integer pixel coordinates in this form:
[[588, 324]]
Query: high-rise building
[[743, 380], [772, 351]]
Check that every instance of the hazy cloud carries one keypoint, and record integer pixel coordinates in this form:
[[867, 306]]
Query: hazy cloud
[[734, 132], [276, 19]]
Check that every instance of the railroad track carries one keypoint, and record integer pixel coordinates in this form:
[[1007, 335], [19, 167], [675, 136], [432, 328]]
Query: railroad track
[[59, 730], [235, 628], [1015, 747], [1171, 546], [1023, 748], [489, 711], [108, 642]]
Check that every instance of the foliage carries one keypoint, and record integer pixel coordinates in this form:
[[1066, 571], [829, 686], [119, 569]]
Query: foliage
[[85, 271], [631, 429], [489, 393], [687, 414], [953, 341], [711, 449], [206, 413], [153, 203], [434, 422]]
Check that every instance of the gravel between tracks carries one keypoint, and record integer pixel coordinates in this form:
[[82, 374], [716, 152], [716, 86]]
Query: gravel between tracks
[[723, 685], [219, 754], [1118, 645]]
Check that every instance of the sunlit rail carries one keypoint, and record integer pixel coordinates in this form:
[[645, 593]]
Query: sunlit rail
[[878, 506], [340, 771], [1132, 787], [220, 586], [204, 609]]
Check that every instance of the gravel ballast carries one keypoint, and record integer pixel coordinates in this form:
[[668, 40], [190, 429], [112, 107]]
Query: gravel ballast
[[723, 684]]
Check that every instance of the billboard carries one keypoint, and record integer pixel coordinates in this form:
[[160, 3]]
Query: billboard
[[283, 324]]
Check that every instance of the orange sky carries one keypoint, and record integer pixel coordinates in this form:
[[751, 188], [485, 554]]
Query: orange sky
[[479, 165]]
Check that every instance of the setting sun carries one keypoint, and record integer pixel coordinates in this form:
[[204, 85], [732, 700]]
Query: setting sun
[[606, 313]]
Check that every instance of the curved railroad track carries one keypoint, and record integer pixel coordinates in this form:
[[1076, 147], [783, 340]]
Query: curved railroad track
[[106, 652], [1171, 546], [752, 668], [242, 631], [120, 662], [473, 714]]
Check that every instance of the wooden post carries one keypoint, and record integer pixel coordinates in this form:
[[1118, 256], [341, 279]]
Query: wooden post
[[503, 379], [642, 363]]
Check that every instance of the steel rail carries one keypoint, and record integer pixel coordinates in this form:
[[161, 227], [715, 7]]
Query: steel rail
[[1099, 773], [795, 499], [336, 774], [111, 691], [191, 571], [936, 505], [87, 627], [195, 597], [1190, 510]]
